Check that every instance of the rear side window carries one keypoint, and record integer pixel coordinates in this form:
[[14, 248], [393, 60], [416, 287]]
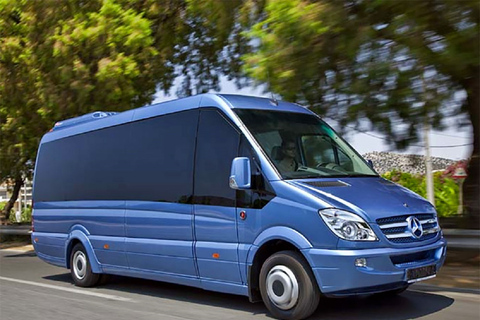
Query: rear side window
[[162, 154], [149, 160], [217, 146]]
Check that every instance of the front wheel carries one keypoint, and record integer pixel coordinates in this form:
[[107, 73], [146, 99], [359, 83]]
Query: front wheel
[[80, 268], [288, 287]]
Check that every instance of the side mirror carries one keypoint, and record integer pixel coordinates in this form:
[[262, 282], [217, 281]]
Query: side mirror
[[370, 164], [240, 175]]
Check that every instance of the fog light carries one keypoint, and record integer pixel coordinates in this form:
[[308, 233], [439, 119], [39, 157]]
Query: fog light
[[360, 262]]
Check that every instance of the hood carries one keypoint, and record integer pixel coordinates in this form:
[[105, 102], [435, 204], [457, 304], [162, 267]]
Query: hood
[[371, 197]]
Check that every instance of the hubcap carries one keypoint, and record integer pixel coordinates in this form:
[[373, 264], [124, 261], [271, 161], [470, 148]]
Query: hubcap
[[282, 287], [79, 264]]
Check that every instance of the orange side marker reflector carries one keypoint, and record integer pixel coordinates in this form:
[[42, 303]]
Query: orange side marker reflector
[[106, 246], [36, 239], [216, 255]]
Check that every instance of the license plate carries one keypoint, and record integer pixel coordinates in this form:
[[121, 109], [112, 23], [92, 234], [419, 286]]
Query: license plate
[[420, 273]]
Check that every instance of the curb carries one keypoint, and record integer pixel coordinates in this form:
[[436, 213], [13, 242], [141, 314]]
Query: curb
[[26, 248]]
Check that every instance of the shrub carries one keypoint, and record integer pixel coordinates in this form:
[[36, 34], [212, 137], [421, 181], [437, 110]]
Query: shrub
[[446, 189], [26, 215]]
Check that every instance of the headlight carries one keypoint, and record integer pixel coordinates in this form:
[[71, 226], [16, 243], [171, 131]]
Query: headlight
[[347, 225]]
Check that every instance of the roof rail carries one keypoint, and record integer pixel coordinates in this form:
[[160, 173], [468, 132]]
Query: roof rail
[[82, 119]]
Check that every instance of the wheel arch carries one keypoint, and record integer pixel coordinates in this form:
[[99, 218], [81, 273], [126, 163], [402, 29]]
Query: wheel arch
[[80, 235], [267, 243]]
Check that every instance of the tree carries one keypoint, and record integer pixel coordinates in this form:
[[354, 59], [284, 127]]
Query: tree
[[62, 59], [397, 64]]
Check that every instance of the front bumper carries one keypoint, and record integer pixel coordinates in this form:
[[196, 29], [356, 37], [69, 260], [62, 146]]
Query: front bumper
[[337, 274]]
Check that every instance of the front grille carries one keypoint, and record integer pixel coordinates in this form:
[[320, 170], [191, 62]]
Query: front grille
[[396, 229]]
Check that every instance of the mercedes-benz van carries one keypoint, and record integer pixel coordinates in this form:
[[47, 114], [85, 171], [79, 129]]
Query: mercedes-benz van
[[236, 194]]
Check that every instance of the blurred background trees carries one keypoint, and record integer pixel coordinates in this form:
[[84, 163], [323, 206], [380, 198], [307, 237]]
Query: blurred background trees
[[63, 59], [393, 65], [397, 64]]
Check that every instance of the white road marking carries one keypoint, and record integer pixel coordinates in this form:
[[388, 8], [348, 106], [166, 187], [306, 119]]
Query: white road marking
[[79, 291]]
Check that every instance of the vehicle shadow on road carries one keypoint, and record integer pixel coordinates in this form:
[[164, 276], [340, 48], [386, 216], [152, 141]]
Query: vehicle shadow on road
[[171, 291], [409, 305]]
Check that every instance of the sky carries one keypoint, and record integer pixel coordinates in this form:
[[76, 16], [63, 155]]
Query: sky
[[371, 141]]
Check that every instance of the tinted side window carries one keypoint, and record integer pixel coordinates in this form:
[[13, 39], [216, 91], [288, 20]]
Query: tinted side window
[[89, 166], [217, 146], [150, 160], [161, 155]]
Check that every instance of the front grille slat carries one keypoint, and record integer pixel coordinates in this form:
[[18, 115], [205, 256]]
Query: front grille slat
[[422, 216], [393, 230], [410, 240], [396, 230], [394, 225]]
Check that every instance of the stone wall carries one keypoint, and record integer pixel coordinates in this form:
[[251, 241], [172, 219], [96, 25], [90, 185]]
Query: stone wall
[[412, 163]]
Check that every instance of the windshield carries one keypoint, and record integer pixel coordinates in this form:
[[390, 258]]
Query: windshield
[[303, 146]]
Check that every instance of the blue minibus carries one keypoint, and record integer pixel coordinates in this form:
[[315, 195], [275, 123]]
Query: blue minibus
[[236, 194]]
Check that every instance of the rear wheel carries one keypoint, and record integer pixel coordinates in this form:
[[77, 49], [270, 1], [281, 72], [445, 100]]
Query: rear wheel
[[80, 268], [288, 287]]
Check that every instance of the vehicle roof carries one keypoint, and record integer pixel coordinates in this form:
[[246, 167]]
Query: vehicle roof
[[225, 102]]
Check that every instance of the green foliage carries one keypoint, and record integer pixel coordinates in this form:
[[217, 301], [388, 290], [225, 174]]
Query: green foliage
[[446, 189], [62, 59], [367, 60], [397, 64], [25, 216]]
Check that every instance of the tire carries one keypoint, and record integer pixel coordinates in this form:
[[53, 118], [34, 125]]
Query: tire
[[80, 268], [288, 287]]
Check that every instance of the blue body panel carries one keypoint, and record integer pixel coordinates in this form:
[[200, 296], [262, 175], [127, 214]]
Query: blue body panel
[[216, 245], [337, 274], [370, 194], [159, 237], [209, 246]]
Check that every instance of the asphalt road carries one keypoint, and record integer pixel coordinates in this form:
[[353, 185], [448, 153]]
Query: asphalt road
[[31, 289]]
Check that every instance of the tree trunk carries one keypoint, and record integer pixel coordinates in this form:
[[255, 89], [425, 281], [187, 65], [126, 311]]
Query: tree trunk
[[471, 186], [13, 198]]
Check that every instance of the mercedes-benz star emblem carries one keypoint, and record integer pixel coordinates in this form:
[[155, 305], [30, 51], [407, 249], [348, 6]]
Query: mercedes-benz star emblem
[[415, 227]]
